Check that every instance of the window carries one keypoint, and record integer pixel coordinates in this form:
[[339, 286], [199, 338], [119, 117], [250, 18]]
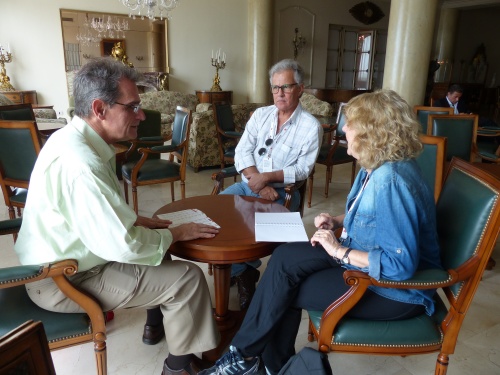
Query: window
[[355, 58]]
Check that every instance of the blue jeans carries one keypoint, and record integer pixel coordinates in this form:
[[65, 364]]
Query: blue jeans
[[241, 188]]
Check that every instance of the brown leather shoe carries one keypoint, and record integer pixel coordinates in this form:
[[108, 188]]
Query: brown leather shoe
[[246, 286], [153, 334], [189, 370]]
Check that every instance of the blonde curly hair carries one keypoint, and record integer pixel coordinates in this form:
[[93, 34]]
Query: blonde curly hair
[[387, 129]]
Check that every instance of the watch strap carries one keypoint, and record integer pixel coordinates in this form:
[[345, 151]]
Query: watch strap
[[345, 258]]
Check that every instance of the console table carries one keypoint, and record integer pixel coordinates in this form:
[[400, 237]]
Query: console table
[[21, 97], [206, 96]]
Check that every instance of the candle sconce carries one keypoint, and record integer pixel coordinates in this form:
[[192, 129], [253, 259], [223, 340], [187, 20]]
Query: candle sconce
[[86, 56], [140, 58], [298, 43], [5, 57]]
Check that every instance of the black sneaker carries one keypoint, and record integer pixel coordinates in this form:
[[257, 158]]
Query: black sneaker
[[232, 363]]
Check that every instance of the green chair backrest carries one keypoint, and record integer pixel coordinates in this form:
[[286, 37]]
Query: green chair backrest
[[180, 126], [22, 112], [463, 210], [423, 113], [224, 113], [18, 153], [150, 127], [460, 131]]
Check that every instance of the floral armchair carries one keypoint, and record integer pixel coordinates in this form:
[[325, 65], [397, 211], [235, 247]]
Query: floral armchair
[[203, 150], [316, 106], [166, 102]]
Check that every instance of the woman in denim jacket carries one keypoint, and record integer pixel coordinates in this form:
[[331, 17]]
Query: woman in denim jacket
[[389, 231]]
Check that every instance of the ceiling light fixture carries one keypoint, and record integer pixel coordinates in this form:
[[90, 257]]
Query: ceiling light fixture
[[150, 8]]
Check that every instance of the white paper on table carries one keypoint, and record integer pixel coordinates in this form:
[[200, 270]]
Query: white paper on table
[[279, 227], [188, 216]]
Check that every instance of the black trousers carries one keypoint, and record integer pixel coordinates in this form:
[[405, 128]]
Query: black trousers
[[300, 276]]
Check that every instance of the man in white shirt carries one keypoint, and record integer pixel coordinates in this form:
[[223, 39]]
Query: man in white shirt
[[75, 210], [279, 146]]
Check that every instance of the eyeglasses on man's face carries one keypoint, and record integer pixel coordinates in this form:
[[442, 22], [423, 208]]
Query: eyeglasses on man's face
[[133, 107], [287, 88]]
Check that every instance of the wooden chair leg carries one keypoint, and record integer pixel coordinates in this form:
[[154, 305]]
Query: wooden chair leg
[[310, 189], [125, 190], [442, 364], [134, 199], [183, 190], [12, 213], [328, 179], [172, 191], [210, 269]]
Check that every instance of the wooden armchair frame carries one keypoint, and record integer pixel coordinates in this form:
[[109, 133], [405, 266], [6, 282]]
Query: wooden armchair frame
[[12, 286], [464, 261], [147, 172]]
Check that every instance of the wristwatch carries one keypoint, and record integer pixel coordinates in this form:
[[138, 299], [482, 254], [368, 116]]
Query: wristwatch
[[345, 258]]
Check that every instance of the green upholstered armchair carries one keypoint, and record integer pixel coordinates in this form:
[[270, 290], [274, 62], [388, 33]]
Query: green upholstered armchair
[[227, 135], [151, 169], [468, 217], [461, 131], [333, 152], [422, 112], [63, 330], [432, 161], [19, 148]]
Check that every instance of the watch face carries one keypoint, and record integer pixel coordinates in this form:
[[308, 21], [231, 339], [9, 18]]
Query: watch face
[[345, 260]]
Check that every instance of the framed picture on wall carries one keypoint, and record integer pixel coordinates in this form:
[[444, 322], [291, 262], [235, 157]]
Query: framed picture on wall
[[108, 44]]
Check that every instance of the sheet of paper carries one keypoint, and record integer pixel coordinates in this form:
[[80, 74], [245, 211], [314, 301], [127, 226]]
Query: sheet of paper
[[188, 216], [279, 227]]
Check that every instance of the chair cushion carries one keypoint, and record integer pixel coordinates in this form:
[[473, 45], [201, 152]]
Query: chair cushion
[[17, 308], [19, 196], [339, 154], [152, 170], [417, 331]]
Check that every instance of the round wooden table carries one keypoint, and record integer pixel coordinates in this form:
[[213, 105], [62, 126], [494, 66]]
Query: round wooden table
[[235, 243]]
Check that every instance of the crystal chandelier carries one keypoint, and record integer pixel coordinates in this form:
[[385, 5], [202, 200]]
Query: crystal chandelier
[[108, 29], [87, 37], [150, 8]]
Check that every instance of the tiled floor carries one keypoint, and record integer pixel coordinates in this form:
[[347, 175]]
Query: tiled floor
[[477, 352]]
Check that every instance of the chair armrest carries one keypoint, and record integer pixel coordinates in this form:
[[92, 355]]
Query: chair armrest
[[360, 281], [19, 275], [218, 178]]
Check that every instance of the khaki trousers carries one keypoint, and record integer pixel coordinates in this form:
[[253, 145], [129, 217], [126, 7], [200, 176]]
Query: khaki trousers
[[178, 287]]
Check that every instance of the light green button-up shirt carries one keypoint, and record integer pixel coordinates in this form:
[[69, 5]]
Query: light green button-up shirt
[[75, 208]]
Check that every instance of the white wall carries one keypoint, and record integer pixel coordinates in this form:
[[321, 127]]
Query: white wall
[[33, 30]]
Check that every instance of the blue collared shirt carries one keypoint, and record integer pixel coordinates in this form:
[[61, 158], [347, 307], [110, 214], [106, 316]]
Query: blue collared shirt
[[394, 220]]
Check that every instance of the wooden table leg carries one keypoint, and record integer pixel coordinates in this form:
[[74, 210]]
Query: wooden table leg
[[227, 321], [222, 276]]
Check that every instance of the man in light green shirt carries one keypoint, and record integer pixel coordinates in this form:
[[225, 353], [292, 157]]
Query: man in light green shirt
[[75, 210]]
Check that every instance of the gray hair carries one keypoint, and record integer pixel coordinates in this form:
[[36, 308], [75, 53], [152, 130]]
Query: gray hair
[[99, 79], [287, 64]]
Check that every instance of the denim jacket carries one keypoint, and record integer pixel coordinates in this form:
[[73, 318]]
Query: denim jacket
[[394, 220]]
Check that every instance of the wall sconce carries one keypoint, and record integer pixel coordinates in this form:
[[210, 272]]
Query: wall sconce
[[298, 43], [86, 56], [140, 58]]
